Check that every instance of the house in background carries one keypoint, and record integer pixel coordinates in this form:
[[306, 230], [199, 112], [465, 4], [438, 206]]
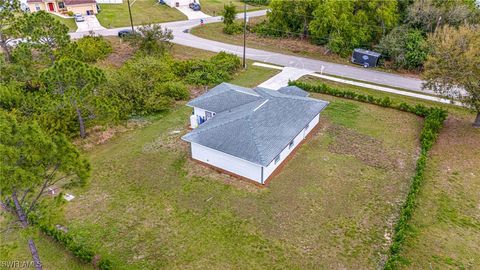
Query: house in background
[[250, 132], [85, 7], [179, 3]]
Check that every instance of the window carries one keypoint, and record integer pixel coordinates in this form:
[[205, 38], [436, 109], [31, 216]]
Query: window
[[37, 7], [277, 159], [290, 145], [61, 5]]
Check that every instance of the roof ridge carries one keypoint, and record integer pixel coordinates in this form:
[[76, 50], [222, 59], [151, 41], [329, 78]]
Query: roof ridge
[[257, 147], [233, 119]]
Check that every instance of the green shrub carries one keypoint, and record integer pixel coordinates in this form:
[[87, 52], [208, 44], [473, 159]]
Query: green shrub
[[232, 29], [135, 82], [175, 90], [218, 69], [94, 48], [228, 18], [11, 96], [70, 13], [405, 46], [70, 240], [158, 102]]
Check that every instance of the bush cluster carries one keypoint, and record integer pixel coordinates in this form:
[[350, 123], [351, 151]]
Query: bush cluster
[[149, 84], [216, 70], [434, 118], [70, 241], [232, 29], [94, 48]]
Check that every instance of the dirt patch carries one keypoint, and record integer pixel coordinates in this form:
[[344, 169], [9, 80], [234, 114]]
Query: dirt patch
[[196, 169], [196, 91], [170, 140], [122, 51], [100, 134], [370, 151]]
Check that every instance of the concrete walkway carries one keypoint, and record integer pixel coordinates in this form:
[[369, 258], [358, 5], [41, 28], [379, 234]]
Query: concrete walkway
[[191, 14], [91, 23], [289, 73]]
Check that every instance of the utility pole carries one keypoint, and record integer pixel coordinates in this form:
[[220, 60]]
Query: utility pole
[[130, 12], [244, 32]]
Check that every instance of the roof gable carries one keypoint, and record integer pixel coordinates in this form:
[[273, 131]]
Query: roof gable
[[223, 97], [293, 90]]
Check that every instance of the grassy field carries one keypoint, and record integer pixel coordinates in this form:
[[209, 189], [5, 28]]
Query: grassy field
[[55, 256], [215, 7], [149, 207], [70, 23], [446, 225], [143, 12], [291, 46], [13, 246]]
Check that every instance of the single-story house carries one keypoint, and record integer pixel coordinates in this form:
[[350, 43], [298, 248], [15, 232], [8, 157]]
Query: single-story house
[[179, 3], [85, 7], [250, 132]]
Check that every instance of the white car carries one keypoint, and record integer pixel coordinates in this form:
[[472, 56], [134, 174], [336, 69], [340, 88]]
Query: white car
[[79, 17]]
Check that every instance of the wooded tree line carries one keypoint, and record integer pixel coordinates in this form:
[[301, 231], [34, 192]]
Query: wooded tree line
[[399, 29], [52, 90]]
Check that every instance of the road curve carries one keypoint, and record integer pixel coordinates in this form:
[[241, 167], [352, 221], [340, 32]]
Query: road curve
[[182, 37]]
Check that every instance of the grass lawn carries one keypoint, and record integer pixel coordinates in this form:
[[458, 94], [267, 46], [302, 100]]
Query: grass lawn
[[446, 224], [297, 47], [215, 7], [70, 23], [149, 207], [143, 12], [13, 247]]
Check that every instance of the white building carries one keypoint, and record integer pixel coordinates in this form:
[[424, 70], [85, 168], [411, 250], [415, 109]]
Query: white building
[[250, 132]]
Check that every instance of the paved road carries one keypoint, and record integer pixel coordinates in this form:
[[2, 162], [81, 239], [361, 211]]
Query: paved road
[[351, 72]]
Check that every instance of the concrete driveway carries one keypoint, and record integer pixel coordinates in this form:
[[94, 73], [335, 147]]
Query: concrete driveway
[[191, 14], [281, 79], [91, 23]]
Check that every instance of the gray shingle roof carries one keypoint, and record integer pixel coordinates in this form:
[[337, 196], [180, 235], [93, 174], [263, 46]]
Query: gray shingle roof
[[293, 90], [259, 130], [223, 97]]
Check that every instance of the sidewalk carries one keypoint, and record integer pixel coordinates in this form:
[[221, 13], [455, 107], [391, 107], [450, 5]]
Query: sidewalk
[[289, 73]]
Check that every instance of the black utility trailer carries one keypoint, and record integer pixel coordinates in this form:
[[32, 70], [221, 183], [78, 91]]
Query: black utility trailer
[[365, 58]]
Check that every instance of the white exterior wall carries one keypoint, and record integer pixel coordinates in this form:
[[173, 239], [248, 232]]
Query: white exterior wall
[[267, 171], [199, 112], [227, 162], [172, 3], [109, 1], [82, 9]]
